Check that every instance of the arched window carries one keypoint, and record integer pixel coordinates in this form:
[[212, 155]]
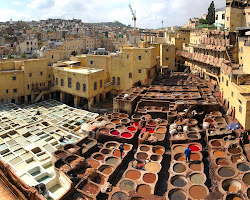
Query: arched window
[[62, 82], [56, 81], [77, 86], [84, 87], [113, 80], [130, 75], [95, 86], [118, 81], [100, 83]]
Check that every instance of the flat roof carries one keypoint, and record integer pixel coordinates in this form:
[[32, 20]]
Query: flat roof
[[81, 70]]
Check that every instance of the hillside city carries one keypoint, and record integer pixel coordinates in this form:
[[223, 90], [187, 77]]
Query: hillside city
[[110, 111]]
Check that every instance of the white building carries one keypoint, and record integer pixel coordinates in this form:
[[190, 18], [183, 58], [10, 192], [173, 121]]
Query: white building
[[220, 17]]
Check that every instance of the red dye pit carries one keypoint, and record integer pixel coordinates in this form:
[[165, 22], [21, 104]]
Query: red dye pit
[[151, 131], [127, 135], [195, 148], [131, 128], [114, 133]]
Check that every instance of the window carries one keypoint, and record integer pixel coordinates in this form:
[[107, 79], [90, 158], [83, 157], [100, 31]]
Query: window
[[241, 49], [222, 78], [100, 83], [223, 16], [40, 84], [241, 58], [69, 83], [232, 94], [113, 80], [166, 50], [28, 87], [139, 71], [118, 81], [130, 75], [127, 56], [240, 109], [216, 17], [91, 62], [62, 82], [227, 18], [15, 90], [41, 73], [166, 58], [27, 43], [56, 81], [14, 78], [95, 86], [52, 57], [227, 83], [84, 87], [49, 75], [7, 91], [77, 86], [139, 57], [31, 43], [30, 74]]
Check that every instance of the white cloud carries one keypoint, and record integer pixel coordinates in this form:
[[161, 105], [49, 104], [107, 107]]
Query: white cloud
[[149, 13], [16, 3]]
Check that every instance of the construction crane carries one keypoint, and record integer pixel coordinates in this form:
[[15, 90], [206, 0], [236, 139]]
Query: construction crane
[[134, 18]]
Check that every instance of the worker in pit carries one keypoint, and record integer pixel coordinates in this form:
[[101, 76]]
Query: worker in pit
[[41, 188], [121, 148], [187, 153]]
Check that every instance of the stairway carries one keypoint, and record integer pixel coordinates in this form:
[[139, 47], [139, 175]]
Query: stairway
[[230, 56], [41, 94]]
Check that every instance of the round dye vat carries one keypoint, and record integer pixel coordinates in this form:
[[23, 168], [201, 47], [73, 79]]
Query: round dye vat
[[131, 128], [123, 115], [106, 151], [117, 153], [115, 121], [179, 149], [125, 120], [90, 189], [161, 130], [120, 127], [99, 179], [178, 181], [195, 166], [133, 174], [235, 150], [234, 197], [126, 135], [152, 123], [219, 154], [194, 148], [179, 157], [61, 154], [152, 167], [226, 172], [179, 168], [65, 168], [127, 185], [222, 162], [137, 198], [144, 148], [158, 150], [195, 156], [246, 179], [126, 147], [197, 178], [111, 145], [119, 196], [115, 133], [104, 131], [149, 178], [177, 194], [142, 156], [112, 161], [155, 157], [106, 169], [231, 185], [237, 158], [110, 125], [192, 136], [98, 157], [94, 164], [198, 192], [243, 167], [144, 190]]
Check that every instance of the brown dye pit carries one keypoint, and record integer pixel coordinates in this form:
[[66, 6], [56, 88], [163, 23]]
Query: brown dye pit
[[104, 131], [90, 189], [178, 181], [222, 162], [226, 172], [246, 179], [119, 196], [126, 147], [99, 180], [65, 168], [144, 190], [193, 136], [152, 167], [144, 148], [142, 156], [149, 178], [94, 164], [115, 121], [233, 188], [161, 130], [112, 161], [111, 145], [177, 194], [61, 154], [127, 185], [195, 156], [158, 151], [179, 157], [179, 149], [179, 168], [155, 157], [117, 153], [219, 154], [233, 197], [198, 192], [106, 170], [243, 167], [133, 174], [237, 158], [235, 150], [197, 178], [106, 151], [98, 157], [195, 166]]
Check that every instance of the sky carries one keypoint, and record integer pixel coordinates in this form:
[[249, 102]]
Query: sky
[[149, 13]]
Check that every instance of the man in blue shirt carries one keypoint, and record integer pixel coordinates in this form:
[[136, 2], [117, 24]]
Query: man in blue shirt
[[121, 148], [187, 154]]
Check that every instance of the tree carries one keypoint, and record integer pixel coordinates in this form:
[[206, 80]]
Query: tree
[[23, 55], [35, 55], [203, 21], [10, 56], [211, 14]]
